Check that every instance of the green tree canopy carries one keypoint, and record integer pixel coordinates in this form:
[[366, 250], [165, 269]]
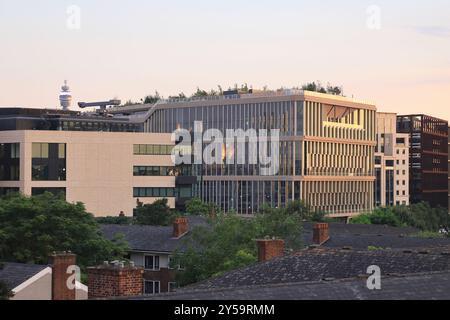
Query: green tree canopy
[[155, 214], [31, 228], [229, 243], [421, 216]]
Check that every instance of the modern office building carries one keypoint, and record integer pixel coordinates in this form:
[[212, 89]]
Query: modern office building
[[107, 171], [326, 153], [105, 161], [428, 158], [391, 163]]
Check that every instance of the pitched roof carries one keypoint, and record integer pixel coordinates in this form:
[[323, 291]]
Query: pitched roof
[[361, 237], [425, 286], [318, 264], [150, 238], [14, 274]]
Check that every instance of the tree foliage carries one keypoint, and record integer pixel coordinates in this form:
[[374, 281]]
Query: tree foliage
[[31, 228], [155, 214], [229, 242], [317, 87], [151, 99], [196, 207], [421, 216]]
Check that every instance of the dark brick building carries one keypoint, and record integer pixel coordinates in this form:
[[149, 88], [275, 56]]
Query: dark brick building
[[428, 158]]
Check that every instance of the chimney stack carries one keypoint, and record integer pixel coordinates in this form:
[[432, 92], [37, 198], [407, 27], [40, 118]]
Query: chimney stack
[[115, 280], [180, 227], [321, 233], [60, 263], [269, 249]]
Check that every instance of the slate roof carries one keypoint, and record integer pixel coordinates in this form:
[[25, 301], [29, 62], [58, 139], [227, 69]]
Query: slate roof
[[361, 237], [14, 274], [150, 238], [319, 264], [426, 286]]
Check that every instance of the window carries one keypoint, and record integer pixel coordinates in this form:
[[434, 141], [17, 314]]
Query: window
[[49, 162], [151, 263], [151, 287], [55, 191], [153, 192], [149, 149], [40, 150], [9, 161], [172, 286], [153, 171]]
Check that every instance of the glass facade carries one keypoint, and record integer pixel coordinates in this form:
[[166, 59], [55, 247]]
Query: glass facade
[[317, 141], [49, 162], [9, 161]]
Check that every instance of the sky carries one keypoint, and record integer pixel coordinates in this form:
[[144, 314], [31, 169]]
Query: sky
[[394, 53]]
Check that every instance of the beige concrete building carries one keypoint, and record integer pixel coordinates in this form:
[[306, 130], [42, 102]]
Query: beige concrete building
[[391, 163], [107, 171]]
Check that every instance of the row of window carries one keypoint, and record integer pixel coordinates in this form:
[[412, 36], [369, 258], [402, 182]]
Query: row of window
[[151, 149], [139, 171], [42, 150], [154, 287], [153, 192]]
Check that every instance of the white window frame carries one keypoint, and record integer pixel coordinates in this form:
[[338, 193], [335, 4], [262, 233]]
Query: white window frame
[[159, 262], [153, 284]]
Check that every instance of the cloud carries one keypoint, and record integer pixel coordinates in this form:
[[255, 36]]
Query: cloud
[[435, 31]]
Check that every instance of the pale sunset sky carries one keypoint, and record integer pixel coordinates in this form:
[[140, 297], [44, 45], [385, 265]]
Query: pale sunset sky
[[128, 49]]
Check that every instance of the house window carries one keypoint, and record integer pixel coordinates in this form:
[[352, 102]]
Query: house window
[[172, 286], [151, 287], [152, 262]]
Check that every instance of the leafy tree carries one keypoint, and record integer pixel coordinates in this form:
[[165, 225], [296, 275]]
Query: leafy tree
[[200, 93], [317, 87], [196, 207], [155, 214], [229, 242], [31, 228], [421, 216], [151, 99]]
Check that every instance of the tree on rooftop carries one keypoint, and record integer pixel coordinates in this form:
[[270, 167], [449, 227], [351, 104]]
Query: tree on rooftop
[[151, 99], [31, 228]]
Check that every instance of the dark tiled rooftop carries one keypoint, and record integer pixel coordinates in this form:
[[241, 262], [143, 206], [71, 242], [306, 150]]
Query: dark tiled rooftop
[[150, 238], [361, 237], [13, 274], [428, 286], [319, 264]]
